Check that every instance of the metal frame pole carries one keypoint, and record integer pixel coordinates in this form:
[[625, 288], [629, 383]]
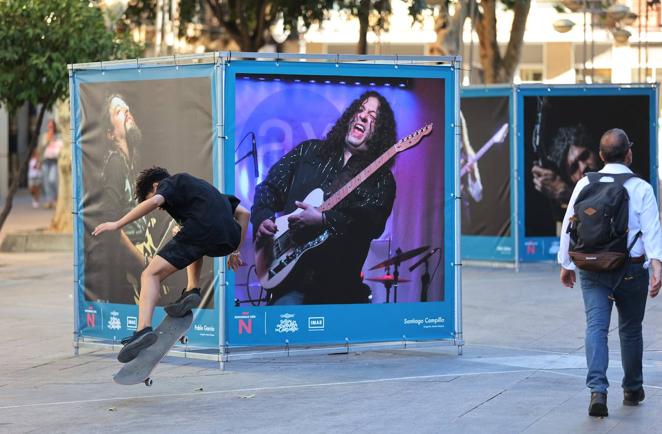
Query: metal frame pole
[[74, 211], [516, 175], [457, 260], [219, 71]]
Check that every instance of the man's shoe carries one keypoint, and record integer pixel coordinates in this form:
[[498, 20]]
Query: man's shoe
[[633, 397], [135, 343], [598, 405], [187, 301]]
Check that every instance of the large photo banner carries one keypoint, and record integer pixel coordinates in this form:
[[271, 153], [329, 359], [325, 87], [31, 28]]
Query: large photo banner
[[485, 174], [561, 132], [125, 121], [348, 172]]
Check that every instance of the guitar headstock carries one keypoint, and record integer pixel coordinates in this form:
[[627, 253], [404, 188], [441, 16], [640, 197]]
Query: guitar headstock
[[413, 139]]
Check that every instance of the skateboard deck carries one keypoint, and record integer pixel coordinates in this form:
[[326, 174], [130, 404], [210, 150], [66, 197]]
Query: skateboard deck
[[139, 369]]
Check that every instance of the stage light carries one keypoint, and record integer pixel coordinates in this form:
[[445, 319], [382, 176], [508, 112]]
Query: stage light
[[372, 83], [343, 82], [277, 79], [357, 83], [387, 84], [261, 78], [402, 85], [327, 81], [312, 81], [297, 80]]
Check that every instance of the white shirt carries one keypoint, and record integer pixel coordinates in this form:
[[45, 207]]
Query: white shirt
[[643, 216]]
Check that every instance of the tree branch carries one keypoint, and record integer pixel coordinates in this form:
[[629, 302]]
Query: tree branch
[[513, 52]]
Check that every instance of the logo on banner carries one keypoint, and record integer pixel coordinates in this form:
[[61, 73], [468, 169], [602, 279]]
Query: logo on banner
[[554, 248], [91, 317], [287, 324], [531, 247], [316, 323], [245, 323], [131, 323], [114, 323]]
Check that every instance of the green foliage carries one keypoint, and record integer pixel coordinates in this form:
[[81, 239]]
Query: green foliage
[[39, 38]]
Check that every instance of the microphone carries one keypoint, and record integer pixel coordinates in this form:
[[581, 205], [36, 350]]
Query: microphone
[[424, 258], [254, 151]]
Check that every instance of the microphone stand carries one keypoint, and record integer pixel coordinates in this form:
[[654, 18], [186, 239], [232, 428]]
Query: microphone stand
[[252, 152], [425, 278]]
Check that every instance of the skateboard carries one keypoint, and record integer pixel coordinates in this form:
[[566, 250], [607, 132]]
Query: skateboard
[[168, 333]]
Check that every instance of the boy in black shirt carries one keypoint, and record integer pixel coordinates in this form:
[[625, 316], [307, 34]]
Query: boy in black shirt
[[212, 224]]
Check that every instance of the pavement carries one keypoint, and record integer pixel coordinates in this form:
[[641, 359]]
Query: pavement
[[522, 371]]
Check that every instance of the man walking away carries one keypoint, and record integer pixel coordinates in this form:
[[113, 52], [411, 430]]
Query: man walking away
[[613, 251]]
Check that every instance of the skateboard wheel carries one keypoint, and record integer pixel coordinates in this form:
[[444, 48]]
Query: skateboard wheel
[[148, 382], [183, 340]]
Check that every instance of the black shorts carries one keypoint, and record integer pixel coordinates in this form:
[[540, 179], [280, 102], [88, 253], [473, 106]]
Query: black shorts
[[181, 254]]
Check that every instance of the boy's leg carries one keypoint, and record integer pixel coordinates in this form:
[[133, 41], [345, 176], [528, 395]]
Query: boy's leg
[[150, 284], [193, 274]]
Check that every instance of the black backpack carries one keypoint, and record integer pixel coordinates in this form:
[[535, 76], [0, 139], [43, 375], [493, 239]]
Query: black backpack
[[599, 229]]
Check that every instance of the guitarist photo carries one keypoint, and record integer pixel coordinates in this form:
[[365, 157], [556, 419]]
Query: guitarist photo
[[330, 273]]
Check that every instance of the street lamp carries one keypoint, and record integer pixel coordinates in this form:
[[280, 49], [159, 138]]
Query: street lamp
[[563, 25]]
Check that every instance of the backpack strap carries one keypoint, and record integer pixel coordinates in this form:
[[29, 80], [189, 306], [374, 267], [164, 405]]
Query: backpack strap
[[621, 178]]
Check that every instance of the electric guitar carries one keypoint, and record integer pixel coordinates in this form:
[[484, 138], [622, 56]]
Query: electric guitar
[[275, 260]]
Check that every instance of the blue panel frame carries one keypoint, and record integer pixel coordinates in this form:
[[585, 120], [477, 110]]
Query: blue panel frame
[[205, 331], [489, 248], [353, 322], [542, 247]]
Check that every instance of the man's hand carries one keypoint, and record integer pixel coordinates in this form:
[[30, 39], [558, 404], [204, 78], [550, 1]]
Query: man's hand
[[656, 277], [235, 261], [549, 183], [267, 229], [310, 216], [568, 278], [104, 227]]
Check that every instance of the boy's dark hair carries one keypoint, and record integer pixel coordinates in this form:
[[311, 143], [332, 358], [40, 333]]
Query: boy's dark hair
[[146, 179]]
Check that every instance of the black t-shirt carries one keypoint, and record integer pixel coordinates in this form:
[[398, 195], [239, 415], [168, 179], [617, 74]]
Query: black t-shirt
[[205, 214]]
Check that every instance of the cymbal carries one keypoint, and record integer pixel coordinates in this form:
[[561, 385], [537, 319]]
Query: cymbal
[[401, 257], [386, 278]]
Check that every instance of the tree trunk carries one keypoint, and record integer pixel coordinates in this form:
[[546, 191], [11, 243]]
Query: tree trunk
[[490, 57], [364, 17], [62, 220], [9, 201], [514, 51], [449, 28]]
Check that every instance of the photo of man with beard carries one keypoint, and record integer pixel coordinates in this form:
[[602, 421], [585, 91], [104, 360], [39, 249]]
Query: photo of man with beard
[[332, 274]]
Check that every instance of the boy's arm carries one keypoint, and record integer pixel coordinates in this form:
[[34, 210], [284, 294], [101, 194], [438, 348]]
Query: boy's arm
[[242, 216], [140, 210]]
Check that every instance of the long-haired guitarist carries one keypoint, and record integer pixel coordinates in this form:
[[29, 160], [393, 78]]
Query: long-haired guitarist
[[331, 273], [121, 252]]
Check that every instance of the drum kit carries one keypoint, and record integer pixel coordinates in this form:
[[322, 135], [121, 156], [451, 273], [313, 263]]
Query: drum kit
[[392, 281], [389, 280]]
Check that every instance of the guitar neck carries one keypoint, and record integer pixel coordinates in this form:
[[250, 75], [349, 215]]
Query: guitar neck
[[358, 180]]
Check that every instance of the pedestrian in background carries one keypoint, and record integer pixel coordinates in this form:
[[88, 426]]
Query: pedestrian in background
[[50, 147], [34, 178]]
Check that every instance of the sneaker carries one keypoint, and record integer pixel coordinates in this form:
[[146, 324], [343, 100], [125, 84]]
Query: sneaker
[[598, 405], [633, 397], [135, 343], [187, 301]]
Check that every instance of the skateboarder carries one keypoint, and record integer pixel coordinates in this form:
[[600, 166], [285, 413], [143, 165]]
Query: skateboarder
[[212, 224]]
